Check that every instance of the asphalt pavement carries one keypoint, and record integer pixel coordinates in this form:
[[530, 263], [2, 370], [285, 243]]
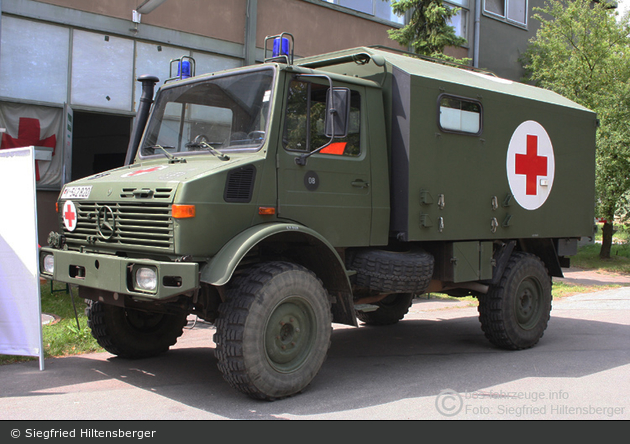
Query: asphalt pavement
[[435, 364]]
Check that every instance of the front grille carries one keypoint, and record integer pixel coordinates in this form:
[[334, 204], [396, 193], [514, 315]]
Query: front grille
[[135, 225], [157, 193]]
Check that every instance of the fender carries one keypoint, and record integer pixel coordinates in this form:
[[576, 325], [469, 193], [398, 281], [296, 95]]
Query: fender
[[326, 263]]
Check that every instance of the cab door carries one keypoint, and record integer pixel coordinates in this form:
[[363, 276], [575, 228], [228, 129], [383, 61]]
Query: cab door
[[331, 193]]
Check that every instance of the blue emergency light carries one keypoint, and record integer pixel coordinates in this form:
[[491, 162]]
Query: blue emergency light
[[183, 69], [280, 46]]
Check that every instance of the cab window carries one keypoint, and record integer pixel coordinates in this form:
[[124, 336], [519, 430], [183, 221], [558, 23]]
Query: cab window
[[305, 126]]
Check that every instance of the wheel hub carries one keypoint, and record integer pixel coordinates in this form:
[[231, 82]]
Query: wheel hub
[[289, 336], [528, 303]]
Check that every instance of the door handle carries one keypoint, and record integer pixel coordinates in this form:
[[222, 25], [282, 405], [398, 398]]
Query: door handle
[[360, 184]]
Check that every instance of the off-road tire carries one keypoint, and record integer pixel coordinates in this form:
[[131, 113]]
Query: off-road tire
[[393, 271], [514, 313], [133, 334], [390, 310], [273, 330]]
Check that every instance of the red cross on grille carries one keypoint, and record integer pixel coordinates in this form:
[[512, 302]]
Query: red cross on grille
[[531, 165], [70, 216]]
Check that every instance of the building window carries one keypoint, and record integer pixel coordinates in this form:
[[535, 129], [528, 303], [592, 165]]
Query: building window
[[512, 11], [378, 8], [459, 21]]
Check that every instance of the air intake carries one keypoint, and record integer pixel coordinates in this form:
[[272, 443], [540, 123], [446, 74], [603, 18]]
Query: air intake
[[240, 184]]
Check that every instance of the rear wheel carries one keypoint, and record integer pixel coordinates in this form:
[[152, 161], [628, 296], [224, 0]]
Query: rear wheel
[[390, 310], [133, 334], [514, 313], [273, 331]]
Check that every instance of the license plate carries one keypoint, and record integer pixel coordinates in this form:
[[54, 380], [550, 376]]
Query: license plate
[[76, 192]]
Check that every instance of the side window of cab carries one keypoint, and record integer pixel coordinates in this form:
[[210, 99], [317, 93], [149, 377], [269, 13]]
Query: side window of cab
[[305, 121]]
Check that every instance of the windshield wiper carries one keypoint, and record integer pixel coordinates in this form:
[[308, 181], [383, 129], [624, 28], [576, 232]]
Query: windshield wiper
[[171, 158], [214, 151]]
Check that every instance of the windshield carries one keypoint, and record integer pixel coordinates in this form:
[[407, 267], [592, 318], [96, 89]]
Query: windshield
[[226, 113]]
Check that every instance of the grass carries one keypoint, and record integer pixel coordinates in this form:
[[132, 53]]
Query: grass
[[558, 290], [619, 262], [61, 338], [588, 259]]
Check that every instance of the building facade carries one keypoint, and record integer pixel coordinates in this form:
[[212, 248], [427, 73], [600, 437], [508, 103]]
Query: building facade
[[68, 68]]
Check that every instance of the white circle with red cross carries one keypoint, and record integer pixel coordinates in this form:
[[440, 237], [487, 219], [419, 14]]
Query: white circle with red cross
[[69, 215], [530, 165]]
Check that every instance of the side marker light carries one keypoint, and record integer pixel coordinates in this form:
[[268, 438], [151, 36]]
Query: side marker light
[[266, 211]]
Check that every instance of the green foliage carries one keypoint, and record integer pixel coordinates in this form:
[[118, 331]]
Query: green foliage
[[581, 52], [428, 31], [62, 338]]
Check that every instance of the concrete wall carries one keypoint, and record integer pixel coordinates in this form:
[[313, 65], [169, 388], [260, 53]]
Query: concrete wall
[[213, 18], [317, 27]]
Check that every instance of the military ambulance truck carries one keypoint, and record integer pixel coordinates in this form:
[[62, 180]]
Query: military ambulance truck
[[274, 200]]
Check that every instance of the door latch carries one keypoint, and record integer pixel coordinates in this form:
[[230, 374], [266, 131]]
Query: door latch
[[360, 184]]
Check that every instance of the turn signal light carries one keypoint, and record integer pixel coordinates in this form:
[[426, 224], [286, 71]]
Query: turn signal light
[[183, 211], [266, 210]]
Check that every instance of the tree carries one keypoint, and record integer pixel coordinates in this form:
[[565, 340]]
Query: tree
[[582, 51], [428, 31]]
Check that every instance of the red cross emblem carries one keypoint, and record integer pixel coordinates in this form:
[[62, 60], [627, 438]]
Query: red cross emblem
[[144, 171], [531, 165], [29, 133], [69, 215]]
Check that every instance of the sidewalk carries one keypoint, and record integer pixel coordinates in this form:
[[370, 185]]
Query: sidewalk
[[578, 276], [574, 276]]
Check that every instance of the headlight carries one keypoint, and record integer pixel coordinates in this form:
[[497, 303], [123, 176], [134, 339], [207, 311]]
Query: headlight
[[146, 279], [49, 263]]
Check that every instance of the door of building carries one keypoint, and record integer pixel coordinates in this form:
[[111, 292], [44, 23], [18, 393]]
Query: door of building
[[99, 142]]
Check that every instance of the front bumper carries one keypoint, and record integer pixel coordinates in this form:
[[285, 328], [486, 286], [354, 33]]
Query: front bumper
[[115, 274]]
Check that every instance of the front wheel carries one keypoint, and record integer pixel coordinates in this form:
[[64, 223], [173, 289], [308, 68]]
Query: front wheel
[[515, 312], [133, 334], [273, 331]]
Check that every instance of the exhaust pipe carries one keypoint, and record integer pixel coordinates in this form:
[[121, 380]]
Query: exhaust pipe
[[148, 85]]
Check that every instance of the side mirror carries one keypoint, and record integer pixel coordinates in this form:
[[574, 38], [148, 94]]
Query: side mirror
[[338, 106]]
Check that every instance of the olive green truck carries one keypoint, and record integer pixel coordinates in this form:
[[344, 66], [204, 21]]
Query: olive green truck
[[274, 200]]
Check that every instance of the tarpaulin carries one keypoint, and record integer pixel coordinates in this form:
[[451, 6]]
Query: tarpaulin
[[39, 126]]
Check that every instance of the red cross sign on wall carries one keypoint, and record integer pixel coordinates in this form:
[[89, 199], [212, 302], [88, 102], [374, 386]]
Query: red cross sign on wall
[[29, 135], [530, 165]]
